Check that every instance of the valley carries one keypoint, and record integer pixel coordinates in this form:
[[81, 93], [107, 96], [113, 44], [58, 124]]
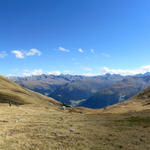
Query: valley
[[91, 92]]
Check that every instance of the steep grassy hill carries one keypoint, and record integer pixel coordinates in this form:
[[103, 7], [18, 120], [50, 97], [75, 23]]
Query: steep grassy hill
[[10, 91]]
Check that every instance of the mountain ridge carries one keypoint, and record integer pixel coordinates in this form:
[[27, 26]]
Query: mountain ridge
[[77, 90]]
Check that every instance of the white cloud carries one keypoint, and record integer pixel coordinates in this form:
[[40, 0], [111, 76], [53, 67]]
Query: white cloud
[[105, 55], [89, 74], [140, 70], [18, 54], [33, 52], [27, 72], [56, 72], [80, 50], [22, 54], [10, 75], [67, 72], [63, 49], [92, 51], [3, 54], [34, 72]]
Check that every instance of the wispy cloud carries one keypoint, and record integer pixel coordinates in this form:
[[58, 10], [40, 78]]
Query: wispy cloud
[[92, 51], [22, 54], [140, 70], [63, 49], [33, 52], [105, 55], [80, 50], [3, 54]]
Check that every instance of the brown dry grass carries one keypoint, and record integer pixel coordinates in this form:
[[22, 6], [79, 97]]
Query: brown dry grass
[[31, 127], [10, 91]]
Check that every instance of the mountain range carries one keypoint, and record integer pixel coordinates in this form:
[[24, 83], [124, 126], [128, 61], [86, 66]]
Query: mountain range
[[117, 92], [92, 92]]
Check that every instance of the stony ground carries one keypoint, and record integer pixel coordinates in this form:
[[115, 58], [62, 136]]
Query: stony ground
[[31, 127]]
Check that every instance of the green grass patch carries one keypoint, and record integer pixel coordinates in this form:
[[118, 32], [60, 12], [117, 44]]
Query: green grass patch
[[135, 121], [139, 119]]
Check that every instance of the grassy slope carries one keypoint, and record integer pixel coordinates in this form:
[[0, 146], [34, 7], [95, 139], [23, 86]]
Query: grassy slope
[[35, 128], [10, 91]]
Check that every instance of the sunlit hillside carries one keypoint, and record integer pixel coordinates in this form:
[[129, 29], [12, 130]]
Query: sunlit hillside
[[15, 94]]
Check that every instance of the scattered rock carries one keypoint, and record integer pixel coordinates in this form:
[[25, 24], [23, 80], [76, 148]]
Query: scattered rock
[[72, 130]]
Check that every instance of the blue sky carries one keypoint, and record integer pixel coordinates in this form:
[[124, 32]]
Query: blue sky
[[88, 37]]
